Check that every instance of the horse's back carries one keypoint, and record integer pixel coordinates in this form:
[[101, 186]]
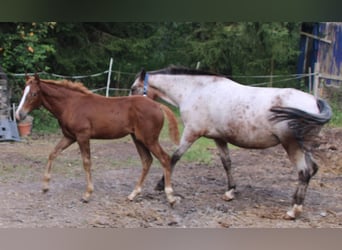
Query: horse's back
[[241, 114]]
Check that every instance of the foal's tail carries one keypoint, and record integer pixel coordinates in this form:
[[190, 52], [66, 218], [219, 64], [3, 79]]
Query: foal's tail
[[303, 124], [173, 124]]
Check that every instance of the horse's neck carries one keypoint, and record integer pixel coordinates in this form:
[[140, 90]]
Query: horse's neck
[[176, 88], [56, 98]]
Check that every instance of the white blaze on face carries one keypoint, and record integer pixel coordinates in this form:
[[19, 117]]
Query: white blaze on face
[[22, 101]]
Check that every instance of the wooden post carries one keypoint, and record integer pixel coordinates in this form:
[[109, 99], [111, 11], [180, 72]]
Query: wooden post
[[316, 80], [109, 74], [310, 82]]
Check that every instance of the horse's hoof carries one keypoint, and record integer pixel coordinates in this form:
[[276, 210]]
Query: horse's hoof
[[84, 200], [174, 201], [294, 212], [45, 190], [288, 217], [159, 186], [130, 197], [229, 195]]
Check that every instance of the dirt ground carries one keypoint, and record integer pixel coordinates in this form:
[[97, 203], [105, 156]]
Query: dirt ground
[[265, 183]]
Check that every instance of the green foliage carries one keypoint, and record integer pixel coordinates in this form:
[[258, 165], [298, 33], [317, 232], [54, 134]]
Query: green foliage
[[336, 105], [336, 120], [23, 48], [44, 121]]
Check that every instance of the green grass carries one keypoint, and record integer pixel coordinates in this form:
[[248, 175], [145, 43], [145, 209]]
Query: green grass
[[201, 151], [336, 120]]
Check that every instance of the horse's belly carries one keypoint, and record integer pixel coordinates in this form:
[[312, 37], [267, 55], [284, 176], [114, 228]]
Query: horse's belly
[[252, 141], [251, 137]]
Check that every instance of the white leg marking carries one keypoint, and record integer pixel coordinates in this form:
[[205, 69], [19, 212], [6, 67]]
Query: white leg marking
[[169, 195], [229, 195], [22, 101], [294, 212], [134, 193]]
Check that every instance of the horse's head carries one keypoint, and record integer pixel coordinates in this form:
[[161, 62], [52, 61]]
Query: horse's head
[[31, 98], [141, 86], [137, 87]]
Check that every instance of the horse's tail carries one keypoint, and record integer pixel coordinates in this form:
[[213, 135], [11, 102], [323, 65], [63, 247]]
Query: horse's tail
[[173, 124], [303, 124]]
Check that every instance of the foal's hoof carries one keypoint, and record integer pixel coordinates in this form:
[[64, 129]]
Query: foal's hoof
[[84, 200], [174, 201], [45, 190]]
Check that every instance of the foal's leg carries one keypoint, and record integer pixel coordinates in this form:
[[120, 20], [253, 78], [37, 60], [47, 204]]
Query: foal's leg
[[226, 161], [186, 141], [62, 144], [84, 145], [146, 160], [307, 168], [164, 159]]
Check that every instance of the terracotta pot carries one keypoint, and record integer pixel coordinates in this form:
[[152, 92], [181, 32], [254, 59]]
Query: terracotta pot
[[24, 128]]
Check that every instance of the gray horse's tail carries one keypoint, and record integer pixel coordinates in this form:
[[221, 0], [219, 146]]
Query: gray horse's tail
[[303, 124]]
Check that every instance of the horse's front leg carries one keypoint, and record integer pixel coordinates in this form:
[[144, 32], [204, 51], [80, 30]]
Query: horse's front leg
[[62, 144], [84, 145], [226, 162], [188, 138]]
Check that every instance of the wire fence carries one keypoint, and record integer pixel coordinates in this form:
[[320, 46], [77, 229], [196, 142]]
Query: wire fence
[[268, 80]]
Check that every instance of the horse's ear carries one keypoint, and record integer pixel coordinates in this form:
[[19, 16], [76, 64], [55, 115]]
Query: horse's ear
[[142, 74], [26, 76], [36, 76]]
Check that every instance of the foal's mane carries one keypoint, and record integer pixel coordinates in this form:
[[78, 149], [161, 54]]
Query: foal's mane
[[76, 86], [177, 70]]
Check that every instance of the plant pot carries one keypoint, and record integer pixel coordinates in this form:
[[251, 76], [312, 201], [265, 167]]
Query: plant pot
[[24, 129]]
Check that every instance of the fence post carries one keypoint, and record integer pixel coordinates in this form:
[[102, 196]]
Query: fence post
[[310, 81], [109, 74], [316, 79]]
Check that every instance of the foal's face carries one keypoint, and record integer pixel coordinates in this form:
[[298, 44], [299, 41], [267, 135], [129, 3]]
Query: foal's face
[[31, 98]]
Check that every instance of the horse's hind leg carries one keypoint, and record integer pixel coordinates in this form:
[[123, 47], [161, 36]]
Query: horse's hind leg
[[307, 168], [62, 144], [146, 160], [164, 159], [226, 162]]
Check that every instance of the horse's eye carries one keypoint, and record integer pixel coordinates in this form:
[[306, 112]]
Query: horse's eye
[[34, 94]]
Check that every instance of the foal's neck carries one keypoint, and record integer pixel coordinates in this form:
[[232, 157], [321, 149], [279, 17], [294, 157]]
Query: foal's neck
[[56, 98]]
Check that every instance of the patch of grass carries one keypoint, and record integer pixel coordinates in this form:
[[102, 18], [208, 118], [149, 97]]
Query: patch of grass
[[334, 95], [201, 151], [336, 120]]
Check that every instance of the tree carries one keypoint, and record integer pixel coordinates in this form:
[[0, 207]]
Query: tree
[[23, 47]]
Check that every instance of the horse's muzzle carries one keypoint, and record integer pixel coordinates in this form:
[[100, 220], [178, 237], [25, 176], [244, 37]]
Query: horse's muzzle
[[20, 115]]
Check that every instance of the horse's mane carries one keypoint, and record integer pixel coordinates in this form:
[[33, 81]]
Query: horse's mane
[[178, 70], [77, 86]]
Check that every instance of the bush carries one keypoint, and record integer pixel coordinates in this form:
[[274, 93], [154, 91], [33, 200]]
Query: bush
[[44, 121]]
